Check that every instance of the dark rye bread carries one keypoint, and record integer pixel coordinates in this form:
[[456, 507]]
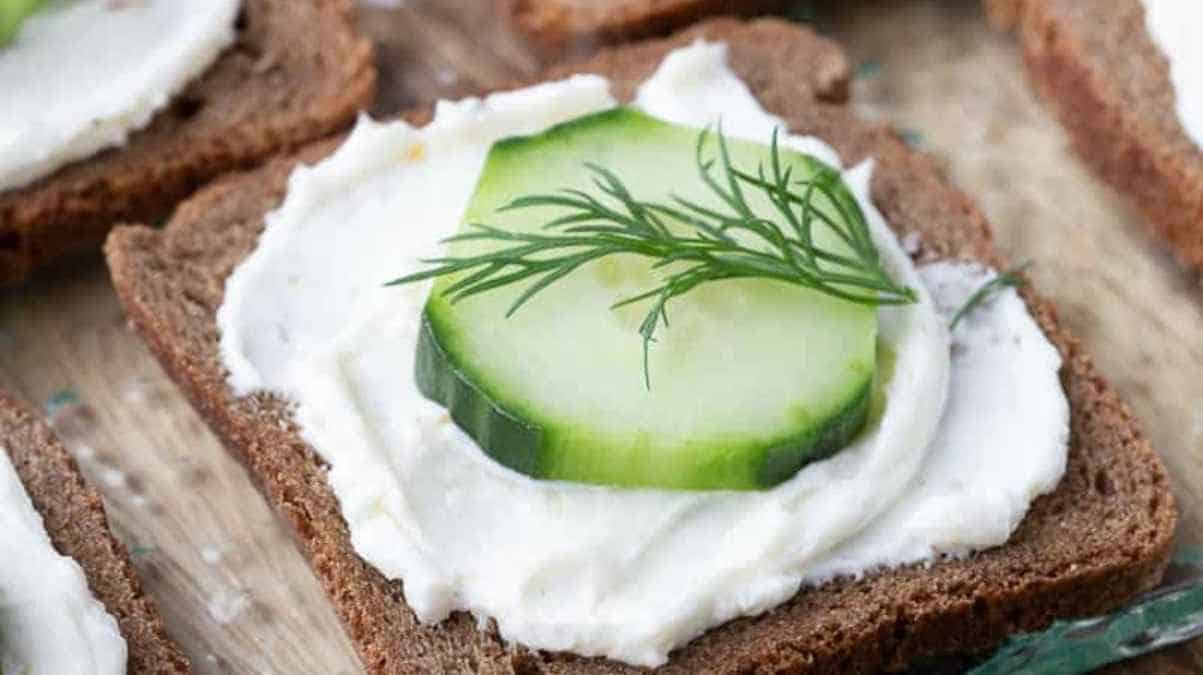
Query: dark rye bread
[[74, 518], [296, 72], [1098, 67], [1102, 537], [570, 28]]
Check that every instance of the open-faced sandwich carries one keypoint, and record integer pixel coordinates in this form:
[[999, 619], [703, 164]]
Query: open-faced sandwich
[[661, 362], [114, 110], [1126, 78], [70, 601]]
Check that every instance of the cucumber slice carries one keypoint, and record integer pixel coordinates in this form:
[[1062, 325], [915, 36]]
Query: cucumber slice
[[12, 14], [752, 380]]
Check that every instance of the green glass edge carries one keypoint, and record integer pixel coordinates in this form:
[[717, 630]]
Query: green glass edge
[[1160, 618]]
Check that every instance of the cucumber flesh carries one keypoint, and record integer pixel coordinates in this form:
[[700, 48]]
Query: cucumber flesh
[[752, 380]]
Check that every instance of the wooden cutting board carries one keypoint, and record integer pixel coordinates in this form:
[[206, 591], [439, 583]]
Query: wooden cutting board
[[237, 594]]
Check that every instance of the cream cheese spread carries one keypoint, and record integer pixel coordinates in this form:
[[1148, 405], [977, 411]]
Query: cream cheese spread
[[49, 621], [967, 438], [1173, 25], [82, 75]]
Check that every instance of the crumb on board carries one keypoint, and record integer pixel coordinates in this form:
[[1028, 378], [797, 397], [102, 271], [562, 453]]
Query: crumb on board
[[60, 400], [912, 137], [142, 550], [227, 606], [868, 69]]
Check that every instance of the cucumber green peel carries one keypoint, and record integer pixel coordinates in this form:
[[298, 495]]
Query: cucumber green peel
[[12, 14], [761, 374]]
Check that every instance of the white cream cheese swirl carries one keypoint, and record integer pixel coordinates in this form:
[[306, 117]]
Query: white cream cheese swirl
[[627, 574]]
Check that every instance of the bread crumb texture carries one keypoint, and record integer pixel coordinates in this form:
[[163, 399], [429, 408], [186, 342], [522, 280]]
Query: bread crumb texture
[[570, 29]]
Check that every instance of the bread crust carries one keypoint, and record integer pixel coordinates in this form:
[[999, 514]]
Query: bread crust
[[1108, 82], [74, 517], [1101, 537], [570, 29], [297, 72]]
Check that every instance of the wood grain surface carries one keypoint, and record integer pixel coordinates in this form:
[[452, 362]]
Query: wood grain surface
[[239, 597]]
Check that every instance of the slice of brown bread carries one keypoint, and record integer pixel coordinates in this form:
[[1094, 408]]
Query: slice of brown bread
[[1103, 536], [74, 518], [297, 72], [573, 28], [1098, 67]]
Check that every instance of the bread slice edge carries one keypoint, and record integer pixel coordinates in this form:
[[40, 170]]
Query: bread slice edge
[[74, 516], [568, 30], [1153, 164]]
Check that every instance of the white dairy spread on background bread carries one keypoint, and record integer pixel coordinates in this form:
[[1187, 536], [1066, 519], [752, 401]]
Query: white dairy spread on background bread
[[49, 621], [82, 75], [1174, 26], [974, 427]]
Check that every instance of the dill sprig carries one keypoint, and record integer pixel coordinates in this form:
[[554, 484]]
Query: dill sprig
[[1012, 278], [730, 241]]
